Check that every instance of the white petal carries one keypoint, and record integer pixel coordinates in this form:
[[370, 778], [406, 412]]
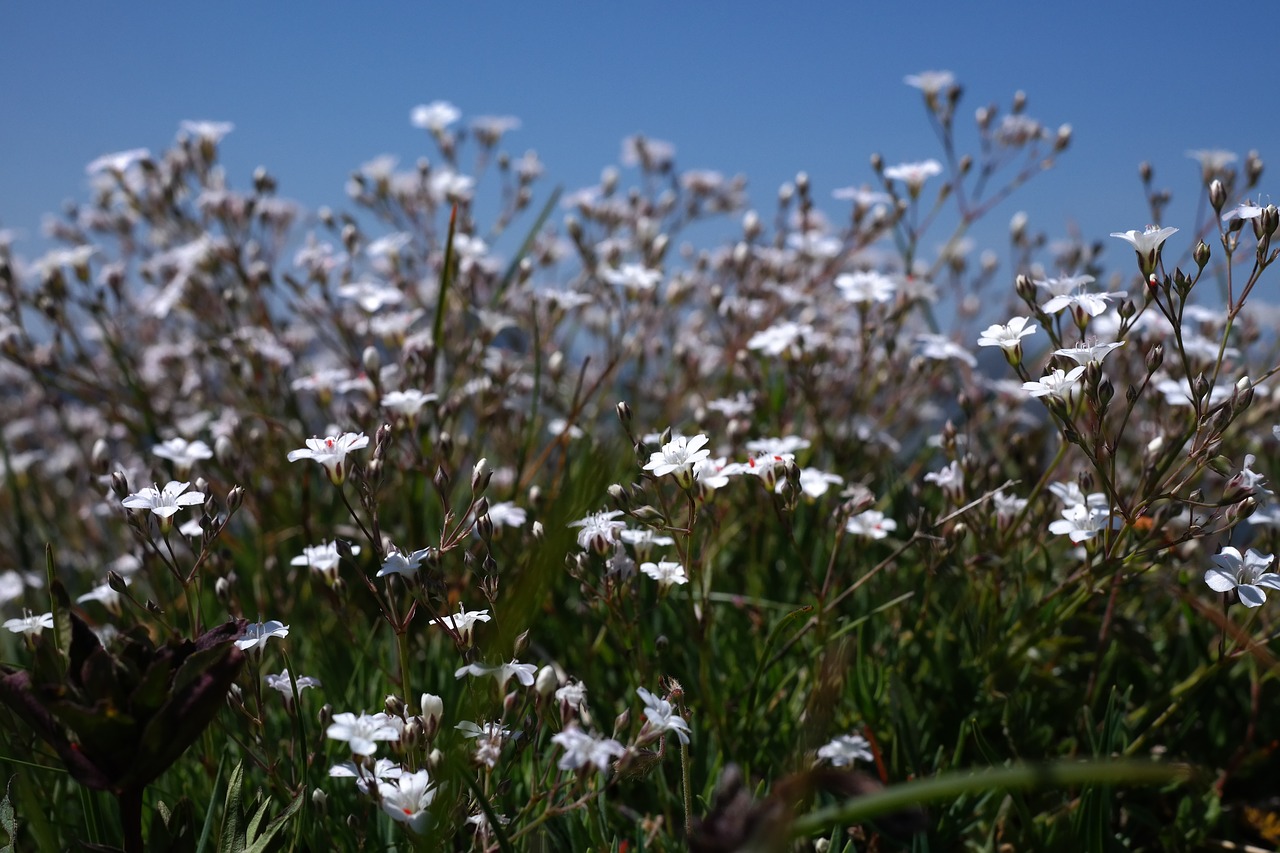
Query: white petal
[[1220, 581]]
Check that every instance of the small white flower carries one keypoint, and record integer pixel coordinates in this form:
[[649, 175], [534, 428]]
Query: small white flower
[[633, 278], [871, 523], [1008, 336], [523, 672], [914, 174], [599, 530], [362, 733], [29, 625], [464, 621], [207, 131], [677, 457], [406, 799], [932, 83], [164, 502], [182, 453], [118, 162], [1247, 574], [256, 634], [662, 717], [1055, 384], [331, 452], [581, 749], [399, 563], [942, 348], [1081, 523], [864, 288], [1147, 245], [435, 116], [665, 572], [282, 683], [323, 558], [1086, 353], [407, 403], [846, 749], [371, 295], [507, 514]]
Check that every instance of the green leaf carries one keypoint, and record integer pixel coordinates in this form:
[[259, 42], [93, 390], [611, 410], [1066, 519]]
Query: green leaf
[[8, 821], [278, 824], [231, 839], [207, 829]]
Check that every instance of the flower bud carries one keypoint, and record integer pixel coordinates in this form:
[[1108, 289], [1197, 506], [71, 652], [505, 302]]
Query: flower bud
[[1201, 254], [120, 484], [480, 477], [545, 682], [394, 706], [1217, 195], [432, 712], [1155, 358]]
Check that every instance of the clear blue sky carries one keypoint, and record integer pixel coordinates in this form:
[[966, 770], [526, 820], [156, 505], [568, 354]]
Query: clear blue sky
[[762, 88]]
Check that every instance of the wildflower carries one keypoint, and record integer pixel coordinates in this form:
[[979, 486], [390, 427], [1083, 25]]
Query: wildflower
[[118, 162], [164, 502], [104, 594], [371, 295], [323, 558], [581, 749], [942, 348], [1213, 162], [950, 479], [665, 572], [435, 116], [1008, 336], [1245, 210], [932, 83], [507, 514], [845, 749], [407, 403], [871, 523], [599, 530], [815, 483], [1080, 303], [914, 174], [29, 625], [464, 621], [406, 799], [662, 717], [182, 453], [633, 278], [677, 457], [863, 288], [362, 732], [367, 780], [1081, 522], [331, 452], [399, 563], [523, 672], [207, 131], [786, 339], [494, 730], [282, 683], [1055, 384], [1147, 245], [1087, 353], [785, 446], [1246, 574], [256, 634], [1246, 482], [573, 694]]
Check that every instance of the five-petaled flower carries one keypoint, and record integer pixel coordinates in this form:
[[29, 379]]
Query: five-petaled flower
[[256, 634], [677, 457], [331, 452], [406, 799], [1009, 337], [362, 732], [845, 749], [665, 572], [1147, 244], [464, 621], [662, 717], [1247, 574], [164, 502]]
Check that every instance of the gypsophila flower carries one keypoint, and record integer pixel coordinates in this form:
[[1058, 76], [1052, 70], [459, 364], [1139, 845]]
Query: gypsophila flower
[[435, 116], [366, 779], [523, 672], [323, 558], [29, 625], [677, 457], [573, 694], [164, 502], [665, 572], [182, 453], [599, 530], [406, 799], [256, 634], [914, 174], [1008, 336], [407, 403], [331, 452], [950, 479], [871, 523], [1081, 523], [1055, 384], [846, 749], [931, 83], [942, 348], [404, 564], [463, 621], [507, 514], [581, 749], [105, 595], [1147, 245], [1080, 302], [1086, 353], [815, 483], [362, 733], [633, 278], [471, 730], [662, 717], [864, 288], [1247, 574], [282, 683]]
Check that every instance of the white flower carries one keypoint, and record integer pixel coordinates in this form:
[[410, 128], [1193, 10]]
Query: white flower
[[435, 116], [331, 452], [599, 530], [845, 749], [815, 483], [661, 716], [256, 634], [371, 295], [932, 83], [581, 749], [914, 174], [632, 277], [1091, 304], [871, 523], [490, 730], [104, 594], [1247, 575], [1085, 353], [1055, 384], [665, 572], [1147, 244], [523, 672], [207, 131], [182, 453], [950, 479], [366, 779], [1244, 210], [282, 683], [507, 514], [942, 348], [362, 732], [678, 457], [399, 563], [406, 799], [863, 288], [464, 621], [1081, 523], [30, 625], [323, 558], [407, 403], [117, 162], [785, 339], [164, 502], [573, 694], [1010, 335]]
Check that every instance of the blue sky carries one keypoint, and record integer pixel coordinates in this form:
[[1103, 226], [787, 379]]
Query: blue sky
[[760, 88]]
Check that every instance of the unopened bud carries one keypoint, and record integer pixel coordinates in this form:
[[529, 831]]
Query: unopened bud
[[1201, 254], [394, 706], [546, 681], [119, 484], [1217, 195], [371, 360], [235, 498], [480, 477], [1155, 358]]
